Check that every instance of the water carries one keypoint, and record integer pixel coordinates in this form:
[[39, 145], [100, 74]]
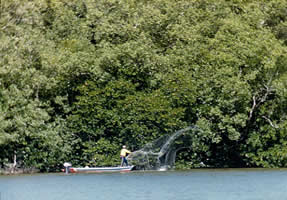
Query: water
[[187, 185]]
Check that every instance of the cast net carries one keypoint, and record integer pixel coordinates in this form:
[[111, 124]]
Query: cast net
[[161, 153]]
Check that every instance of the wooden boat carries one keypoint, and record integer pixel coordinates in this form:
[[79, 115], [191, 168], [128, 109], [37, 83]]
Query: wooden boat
[[100, 169]]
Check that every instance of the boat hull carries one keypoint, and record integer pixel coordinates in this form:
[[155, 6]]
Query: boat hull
[[100, 169]]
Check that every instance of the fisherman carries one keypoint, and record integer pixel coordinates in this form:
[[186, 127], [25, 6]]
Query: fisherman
[[124, 154]]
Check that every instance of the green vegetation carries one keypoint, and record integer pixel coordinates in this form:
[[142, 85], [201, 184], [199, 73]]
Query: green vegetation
[[80, 78]]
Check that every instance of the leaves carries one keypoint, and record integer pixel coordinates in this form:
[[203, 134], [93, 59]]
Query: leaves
[[90, 76]]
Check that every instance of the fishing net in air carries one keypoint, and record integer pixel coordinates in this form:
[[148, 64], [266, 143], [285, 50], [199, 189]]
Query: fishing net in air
[[161, 153]]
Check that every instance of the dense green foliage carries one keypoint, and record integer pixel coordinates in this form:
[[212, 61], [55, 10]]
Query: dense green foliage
[[80, 78]]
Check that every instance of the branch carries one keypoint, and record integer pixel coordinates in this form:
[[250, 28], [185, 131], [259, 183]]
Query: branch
[[270, 122], [268, 91], [260, 99], [253, 107]]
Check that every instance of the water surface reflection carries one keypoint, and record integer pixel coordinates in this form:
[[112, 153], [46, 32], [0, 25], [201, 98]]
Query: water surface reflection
[[229, 184]]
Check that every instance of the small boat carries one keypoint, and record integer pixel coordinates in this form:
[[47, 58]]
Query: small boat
[[99, 169]]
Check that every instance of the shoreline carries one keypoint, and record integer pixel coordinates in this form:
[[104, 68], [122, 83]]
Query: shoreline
[[18, 171], [29, 171]]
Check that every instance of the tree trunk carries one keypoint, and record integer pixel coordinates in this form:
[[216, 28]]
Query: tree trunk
[[14, 163]]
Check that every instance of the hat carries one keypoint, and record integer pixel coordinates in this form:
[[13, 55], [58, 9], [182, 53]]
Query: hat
[[124, 146]]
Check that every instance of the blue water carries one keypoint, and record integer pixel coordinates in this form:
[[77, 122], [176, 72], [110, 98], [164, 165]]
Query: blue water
[[189, 185]]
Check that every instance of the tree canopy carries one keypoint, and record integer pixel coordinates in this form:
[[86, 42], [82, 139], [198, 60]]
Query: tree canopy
[[78, 79]]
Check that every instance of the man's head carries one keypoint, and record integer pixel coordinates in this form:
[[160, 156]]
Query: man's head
[[124, 147]]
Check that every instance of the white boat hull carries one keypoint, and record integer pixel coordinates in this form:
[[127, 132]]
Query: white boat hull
[[100, 169]]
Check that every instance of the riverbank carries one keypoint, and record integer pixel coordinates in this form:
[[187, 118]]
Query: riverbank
[[17, 171], [27, 171]]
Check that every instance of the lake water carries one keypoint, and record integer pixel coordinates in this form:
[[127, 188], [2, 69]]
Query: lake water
[[176, 185]]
